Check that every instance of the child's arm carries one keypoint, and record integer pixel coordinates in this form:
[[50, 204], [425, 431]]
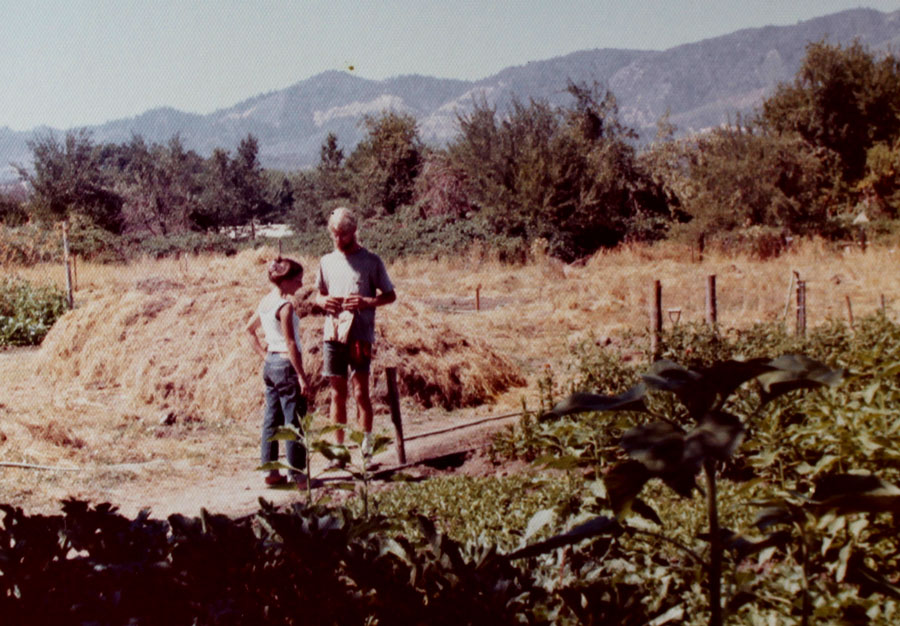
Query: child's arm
[[251, 328], [286, 316]]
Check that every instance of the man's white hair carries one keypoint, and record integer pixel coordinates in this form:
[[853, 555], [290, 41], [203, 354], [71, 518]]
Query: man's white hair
[[342, 220]]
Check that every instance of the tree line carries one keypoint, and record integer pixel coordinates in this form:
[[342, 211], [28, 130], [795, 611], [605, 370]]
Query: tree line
[[821, 151]]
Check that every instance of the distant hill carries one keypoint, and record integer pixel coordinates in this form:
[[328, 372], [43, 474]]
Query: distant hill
[[701, 84]]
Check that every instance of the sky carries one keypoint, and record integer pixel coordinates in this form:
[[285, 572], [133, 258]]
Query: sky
[[71, 63]]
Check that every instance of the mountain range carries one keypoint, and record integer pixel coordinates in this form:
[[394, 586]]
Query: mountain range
[[700, 84]]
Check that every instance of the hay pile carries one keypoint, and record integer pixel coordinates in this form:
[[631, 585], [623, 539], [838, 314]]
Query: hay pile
[[175, 344]]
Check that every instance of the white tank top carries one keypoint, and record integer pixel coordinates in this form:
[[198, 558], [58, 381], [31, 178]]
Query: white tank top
[[271, 325]]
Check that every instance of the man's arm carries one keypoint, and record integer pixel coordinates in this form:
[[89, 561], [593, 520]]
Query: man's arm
[[356, 303]]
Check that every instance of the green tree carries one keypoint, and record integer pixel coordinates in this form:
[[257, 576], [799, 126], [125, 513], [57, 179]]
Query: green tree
[[332, 176], [69, 179], [570, 176], [881, 183], [842, 99], [385, 164], [733, 178], [160, 185], [12, 206], [234, 189]]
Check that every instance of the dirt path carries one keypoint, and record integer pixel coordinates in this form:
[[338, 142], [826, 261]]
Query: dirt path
[[106, 454]]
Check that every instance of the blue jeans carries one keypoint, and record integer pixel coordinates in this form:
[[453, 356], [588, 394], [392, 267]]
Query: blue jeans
[[283, 403]]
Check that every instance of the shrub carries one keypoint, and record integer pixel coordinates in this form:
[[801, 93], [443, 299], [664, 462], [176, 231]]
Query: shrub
[[27, 311]]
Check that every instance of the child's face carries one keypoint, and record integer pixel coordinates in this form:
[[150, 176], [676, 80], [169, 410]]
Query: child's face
[[291, 285]]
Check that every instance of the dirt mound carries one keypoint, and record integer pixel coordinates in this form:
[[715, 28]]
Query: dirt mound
[[177, 345]]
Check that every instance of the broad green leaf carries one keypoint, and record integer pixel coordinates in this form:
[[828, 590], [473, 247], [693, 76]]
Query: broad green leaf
[[707, 389], [646, 511], [287, 433], [659, 445], [682, 480], [775, 513], [796, 371], [631, 400], [718, 434], [538, 521], [869, 581], [623, 484], [596, 527], [855, 493], [723, 378]]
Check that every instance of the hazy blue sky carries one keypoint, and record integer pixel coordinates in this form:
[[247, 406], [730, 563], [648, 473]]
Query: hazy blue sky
[[72, 63]]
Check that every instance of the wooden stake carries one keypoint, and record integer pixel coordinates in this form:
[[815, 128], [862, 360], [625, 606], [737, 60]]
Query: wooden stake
[[478, 298], [656, 318], [849, 310], [70, 298], [801, 307], [394, 404], [787, 301], [711, 305]]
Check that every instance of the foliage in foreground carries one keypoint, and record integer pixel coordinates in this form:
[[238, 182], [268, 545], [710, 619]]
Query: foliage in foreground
[[807, 500], [301, 566], [27, 311]]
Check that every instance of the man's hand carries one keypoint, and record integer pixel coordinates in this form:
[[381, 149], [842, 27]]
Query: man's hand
[[333, 305], [357, 302], [303, 380]]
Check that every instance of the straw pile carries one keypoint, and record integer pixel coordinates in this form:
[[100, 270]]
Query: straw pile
[[175, 343]]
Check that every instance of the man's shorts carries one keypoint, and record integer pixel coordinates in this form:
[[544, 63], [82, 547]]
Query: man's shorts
[[354, 357]]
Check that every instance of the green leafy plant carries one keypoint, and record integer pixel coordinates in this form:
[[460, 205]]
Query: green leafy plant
[[675, 450], [314, 439], [28, 311]]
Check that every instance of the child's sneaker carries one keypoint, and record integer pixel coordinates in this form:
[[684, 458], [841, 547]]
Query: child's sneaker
[[274, 478]]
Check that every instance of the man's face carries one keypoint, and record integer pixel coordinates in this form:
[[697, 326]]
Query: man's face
[[344, 239]]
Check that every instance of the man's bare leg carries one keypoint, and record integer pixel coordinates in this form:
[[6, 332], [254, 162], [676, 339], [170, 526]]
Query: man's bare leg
[[338, 409], [364, 414]]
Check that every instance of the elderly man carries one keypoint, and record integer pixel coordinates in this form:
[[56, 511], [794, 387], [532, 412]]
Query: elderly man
[[352, 282]]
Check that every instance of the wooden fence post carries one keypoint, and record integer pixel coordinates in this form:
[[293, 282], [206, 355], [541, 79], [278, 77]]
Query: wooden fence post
[[394, 403], [478, 298], [712, 314], [656, 318], [801, 307], [70, 299], [849, 310]]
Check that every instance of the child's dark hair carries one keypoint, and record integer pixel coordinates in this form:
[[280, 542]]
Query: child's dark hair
[[282, 269]]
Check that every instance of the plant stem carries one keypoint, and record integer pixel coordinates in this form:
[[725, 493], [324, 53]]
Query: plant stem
[[696, 557], [715, 547], [804, 563]]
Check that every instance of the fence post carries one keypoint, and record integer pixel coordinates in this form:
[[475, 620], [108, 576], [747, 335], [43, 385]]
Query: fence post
[[849, 310], [656, 319], [70, 299], [478, 298], [394, 403], [711, 305], [801, 308]]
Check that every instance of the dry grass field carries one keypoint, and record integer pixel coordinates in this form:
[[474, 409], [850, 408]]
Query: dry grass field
[[149, 387]]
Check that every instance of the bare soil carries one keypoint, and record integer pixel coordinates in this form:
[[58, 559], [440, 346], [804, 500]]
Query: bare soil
[[436, 442]]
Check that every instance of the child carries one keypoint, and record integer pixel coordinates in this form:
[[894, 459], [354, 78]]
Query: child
[[285, 380]]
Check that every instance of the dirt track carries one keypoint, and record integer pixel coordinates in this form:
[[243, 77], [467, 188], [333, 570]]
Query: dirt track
[[225, 482]]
